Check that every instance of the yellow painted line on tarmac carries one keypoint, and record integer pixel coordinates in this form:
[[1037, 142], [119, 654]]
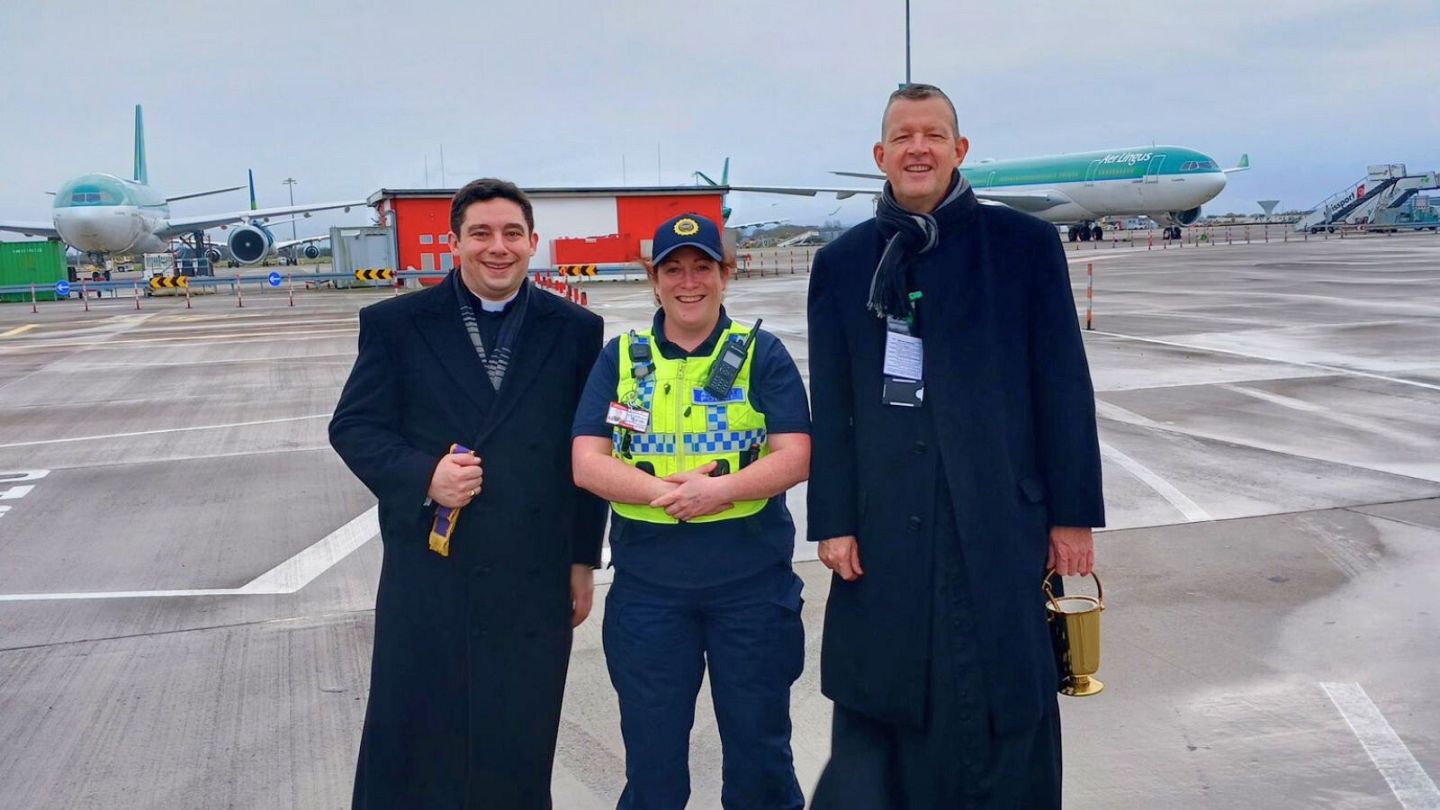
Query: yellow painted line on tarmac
[[19, 330]]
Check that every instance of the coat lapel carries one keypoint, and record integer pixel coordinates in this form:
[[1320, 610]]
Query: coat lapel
[[533, 345], [444, 333]]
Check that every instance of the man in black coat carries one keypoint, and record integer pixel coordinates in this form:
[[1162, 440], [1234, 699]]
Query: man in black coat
[[955, 458], [471, 646]]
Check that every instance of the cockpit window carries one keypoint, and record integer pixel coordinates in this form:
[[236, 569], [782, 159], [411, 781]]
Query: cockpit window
[[1199, 166], [94, 197], [93, 189]]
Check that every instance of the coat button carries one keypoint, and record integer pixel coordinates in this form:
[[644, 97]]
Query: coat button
[[915, 521], [921, 447]]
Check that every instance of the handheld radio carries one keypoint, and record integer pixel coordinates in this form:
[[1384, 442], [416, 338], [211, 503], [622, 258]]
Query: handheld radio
[[727, 366]]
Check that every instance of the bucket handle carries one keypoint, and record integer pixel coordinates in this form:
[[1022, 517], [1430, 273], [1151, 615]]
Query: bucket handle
[[1050, 594]]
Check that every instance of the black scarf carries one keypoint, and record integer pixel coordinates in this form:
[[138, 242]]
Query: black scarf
[[497, 361], [906, 235]]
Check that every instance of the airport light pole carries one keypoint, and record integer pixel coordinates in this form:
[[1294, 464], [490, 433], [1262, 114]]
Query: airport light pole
[[290, 181], [907, 41]]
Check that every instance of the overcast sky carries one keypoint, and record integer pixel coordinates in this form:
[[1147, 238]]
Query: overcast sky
[[349, 97]]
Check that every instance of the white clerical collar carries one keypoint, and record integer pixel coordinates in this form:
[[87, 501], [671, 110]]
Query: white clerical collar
[[497, 306]]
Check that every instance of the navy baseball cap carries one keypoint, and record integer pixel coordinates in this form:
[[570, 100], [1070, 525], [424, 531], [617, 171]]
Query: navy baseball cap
[[687, 230]]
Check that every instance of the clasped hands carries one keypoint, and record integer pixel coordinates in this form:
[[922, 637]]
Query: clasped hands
[[693, 494]]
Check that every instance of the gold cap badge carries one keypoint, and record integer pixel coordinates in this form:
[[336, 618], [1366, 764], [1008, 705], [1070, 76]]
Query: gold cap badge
[[687, 227]]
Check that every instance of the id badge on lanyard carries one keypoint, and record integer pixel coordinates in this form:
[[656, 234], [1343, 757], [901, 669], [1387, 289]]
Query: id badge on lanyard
[[904, 381]]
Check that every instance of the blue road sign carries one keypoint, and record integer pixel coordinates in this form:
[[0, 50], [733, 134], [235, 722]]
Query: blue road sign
[[62, 288], [274, 279]]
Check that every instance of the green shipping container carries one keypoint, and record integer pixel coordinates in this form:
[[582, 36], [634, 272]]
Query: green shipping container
[[26, 263]]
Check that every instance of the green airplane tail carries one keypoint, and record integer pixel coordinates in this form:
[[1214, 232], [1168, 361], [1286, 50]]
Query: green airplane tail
[[251, 174], [724, 175], [142, 173]]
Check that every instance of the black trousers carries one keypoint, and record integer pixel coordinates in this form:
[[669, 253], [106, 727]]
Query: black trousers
[[880, 766], [957, 760]]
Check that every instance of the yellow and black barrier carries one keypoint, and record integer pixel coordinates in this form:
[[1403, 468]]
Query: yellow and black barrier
[[577, 270], [163, 283], [374, 274]]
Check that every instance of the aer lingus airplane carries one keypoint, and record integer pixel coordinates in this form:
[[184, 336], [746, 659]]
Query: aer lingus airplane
[[1166, 183], [105, 215], [725, 209]]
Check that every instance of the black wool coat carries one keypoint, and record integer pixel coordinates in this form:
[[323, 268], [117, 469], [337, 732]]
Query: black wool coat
[[1007, 431], [471, 649]]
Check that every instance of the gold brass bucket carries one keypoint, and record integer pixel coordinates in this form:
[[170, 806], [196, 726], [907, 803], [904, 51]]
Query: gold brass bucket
[[1075, 632]]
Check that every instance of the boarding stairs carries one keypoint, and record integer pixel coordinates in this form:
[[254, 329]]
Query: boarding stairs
[[797, 239], [1345, 204], [1404, 197]]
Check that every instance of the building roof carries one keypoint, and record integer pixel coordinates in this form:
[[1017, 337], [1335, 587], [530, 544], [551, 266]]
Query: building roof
[[543, 193]]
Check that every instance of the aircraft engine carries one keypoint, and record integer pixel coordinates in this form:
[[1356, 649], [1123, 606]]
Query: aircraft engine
[[213, 254], [1186, 217], [311, 252], [250, 244]]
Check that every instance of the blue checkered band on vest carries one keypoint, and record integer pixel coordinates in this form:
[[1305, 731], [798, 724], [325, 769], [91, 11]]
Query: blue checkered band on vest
[[723, 441], [719, 441], [652, 444]]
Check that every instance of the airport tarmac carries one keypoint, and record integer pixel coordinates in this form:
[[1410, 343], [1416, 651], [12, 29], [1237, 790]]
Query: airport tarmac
[[187, 571]]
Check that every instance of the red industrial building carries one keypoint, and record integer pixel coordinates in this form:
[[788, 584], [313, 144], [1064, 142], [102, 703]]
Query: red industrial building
[[576, 225]]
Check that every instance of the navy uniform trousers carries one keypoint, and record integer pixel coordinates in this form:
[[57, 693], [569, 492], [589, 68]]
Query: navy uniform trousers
[[957, 760], [658, 642]]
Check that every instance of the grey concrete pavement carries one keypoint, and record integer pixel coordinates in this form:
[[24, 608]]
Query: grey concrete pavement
[[1272, 467]]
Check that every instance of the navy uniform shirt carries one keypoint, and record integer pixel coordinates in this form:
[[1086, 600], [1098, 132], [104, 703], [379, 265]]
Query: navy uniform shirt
[[699, 555]]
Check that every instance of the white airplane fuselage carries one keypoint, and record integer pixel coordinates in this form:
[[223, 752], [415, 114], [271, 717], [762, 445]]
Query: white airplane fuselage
[[1166, 183], [1092, 201], [102, 213]]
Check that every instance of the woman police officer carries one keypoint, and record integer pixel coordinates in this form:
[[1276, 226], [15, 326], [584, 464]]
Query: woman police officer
[[694, 429]]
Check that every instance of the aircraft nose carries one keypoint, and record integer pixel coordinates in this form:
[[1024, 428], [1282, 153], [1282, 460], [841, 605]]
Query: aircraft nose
[[99, 229]]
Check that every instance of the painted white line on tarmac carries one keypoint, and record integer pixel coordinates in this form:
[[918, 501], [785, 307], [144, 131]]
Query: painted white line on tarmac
[[118, 325], [191, 341], [1191, 510], [308, 359], [47, 597], [1076, 259], [287, 577], [300, 570], [199, 457], [1407, 780], [39, 442], [1356, 422], [1304, 363]]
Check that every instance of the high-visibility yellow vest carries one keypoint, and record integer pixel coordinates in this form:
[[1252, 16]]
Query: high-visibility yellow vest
[[688, 426]]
